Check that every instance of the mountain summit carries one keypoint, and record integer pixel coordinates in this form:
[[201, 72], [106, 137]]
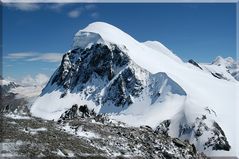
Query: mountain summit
[[142, 84], [100, 32]]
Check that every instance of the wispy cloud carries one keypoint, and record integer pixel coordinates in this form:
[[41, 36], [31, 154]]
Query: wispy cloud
[[90, 6], [20, 55], [95, 15], [24, 6], [50, 1], [39, 79], [29, 56], [74, 13], [57, 6], [90, 9], [30, 86], [47, 57]]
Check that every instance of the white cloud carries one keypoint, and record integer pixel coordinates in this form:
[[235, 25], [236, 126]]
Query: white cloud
[[27, 80], [31, 86], [20, 55], [47, 57], [52, 1], [74, 13], [29, 56], [24, 6], [39, 80], [90, 6], [56, 6], [9, 78]]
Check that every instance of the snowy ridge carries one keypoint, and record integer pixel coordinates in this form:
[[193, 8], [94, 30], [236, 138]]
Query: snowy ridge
[[105, 32], [98, 71], [161, 48]]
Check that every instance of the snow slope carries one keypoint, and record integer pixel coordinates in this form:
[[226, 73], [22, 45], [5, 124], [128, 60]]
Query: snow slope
[[202, 89]]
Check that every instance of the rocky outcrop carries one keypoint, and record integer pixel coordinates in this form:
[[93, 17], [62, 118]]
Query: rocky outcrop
[[163, 127], [218, 141], [118, 139], [206, 130], [191, 61]]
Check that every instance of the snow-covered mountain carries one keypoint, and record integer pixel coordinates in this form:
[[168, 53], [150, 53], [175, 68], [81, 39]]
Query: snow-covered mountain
[[221, 68], [143, 84], [6, 85], [225, 66]]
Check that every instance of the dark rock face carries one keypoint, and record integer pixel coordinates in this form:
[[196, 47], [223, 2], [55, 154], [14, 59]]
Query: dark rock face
[[122, 88], [90, 70], [191, 61], [80, 66], [163, 127], [108, 77], [219, 76], [218, 141]]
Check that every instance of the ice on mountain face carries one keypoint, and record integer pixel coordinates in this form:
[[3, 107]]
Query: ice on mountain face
[[86, 40]]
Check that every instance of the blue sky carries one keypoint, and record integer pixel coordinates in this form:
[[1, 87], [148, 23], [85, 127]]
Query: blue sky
[[36, 35]]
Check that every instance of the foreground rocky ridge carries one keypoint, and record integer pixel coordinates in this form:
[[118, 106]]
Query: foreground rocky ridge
[[85, 135]]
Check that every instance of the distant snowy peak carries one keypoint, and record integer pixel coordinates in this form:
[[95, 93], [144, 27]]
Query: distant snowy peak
[[220, 61], [4, 82], [227, 65], [6, 85], [7, 82]]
